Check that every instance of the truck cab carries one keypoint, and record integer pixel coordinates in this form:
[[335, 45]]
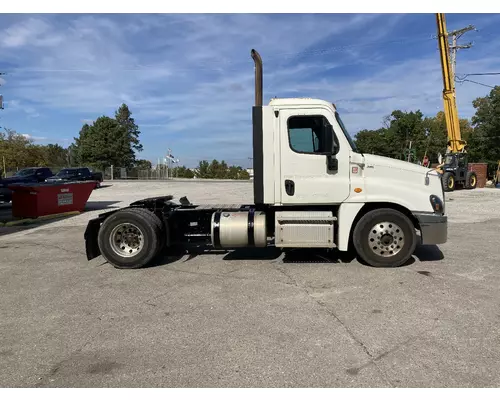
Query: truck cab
[[304, 156]]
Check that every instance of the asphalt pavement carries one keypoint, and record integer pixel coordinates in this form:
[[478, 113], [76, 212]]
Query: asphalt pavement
[[251, 318]]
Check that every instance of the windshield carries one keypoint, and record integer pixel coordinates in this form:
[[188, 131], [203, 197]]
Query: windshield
[[25, 172], [448, 160], [346, 134], [67, 172]]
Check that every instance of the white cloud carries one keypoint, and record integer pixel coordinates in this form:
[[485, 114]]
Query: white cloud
[[27, 32], [35, 138], [189, 78], [18, 105]]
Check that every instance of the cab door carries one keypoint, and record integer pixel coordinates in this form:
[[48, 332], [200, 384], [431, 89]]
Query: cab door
[[307, 176]]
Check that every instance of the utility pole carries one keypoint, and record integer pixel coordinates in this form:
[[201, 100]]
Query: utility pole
[[1, 97], [454, 47]]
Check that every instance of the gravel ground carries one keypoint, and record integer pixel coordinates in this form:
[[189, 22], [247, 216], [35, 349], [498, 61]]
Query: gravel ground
[[250, 318]]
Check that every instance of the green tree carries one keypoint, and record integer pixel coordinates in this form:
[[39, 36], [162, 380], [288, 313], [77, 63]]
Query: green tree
[[81, 149], [15, 148], [182, 172], [55, 155], [428, 136], [104, 143], [143, 164], [220, 170], [437, 134], [373, 141], [243, 174], [203, 170], [484, 144], [124, 117], [400, 129]]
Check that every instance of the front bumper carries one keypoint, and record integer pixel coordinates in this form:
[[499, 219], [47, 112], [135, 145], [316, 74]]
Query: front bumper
[[433, 228]]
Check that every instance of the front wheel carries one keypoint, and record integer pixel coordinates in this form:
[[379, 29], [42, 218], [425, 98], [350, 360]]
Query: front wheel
[[130, 238], [385, 238], [471, 180], [448, 180]]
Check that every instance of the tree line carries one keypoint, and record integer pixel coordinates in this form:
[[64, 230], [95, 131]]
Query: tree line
[[115, 141], [18, 151], [428, 135]]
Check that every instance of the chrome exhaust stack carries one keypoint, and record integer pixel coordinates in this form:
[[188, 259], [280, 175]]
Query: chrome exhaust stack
[[258, 78]]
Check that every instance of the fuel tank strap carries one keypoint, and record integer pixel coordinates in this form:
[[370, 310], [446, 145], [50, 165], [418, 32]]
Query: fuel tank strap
[[251, 227], [217, 230]]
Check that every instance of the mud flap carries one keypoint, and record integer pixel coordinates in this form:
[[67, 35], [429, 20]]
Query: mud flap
[[91, 234]]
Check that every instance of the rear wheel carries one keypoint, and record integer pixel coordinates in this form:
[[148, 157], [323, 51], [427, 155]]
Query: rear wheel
[[385, 238], [448, 181], [471, 180], [130, 238]]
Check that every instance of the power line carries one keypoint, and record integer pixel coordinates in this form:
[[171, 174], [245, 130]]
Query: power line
[[477, 83], [480, 74]]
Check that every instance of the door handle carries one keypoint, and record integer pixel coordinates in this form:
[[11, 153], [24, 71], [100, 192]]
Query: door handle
[[289, 187]]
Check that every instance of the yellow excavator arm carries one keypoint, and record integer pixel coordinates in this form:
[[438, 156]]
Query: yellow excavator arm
[[455, 142]]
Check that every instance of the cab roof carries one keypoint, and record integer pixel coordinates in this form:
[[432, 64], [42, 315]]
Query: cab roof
[[301, 101]]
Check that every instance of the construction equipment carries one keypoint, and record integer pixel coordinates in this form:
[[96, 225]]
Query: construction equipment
[[312, 188], [455, 168]]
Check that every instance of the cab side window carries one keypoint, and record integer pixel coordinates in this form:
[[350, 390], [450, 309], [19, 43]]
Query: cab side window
[[306, 133]]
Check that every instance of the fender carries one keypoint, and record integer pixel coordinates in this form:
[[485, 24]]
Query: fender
[[346, 216]]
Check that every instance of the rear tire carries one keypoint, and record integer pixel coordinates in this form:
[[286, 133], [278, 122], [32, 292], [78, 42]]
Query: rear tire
[[448, 181], [471, 180], [385, 238], [131, 238]]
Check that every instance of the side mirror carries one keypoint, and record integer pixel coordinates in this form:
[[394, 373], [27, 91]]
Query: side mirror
[[331, 144], [331, 149]]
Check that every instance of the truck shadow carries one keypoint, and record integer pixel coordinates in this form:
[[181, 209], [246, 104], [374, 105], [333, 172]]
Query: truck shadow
[[306, 256], [293, 256], [427, 253]]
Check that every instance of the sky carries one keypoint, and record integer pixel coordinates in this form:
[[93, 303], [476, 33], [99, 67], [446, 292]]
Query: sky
[[188, 78]]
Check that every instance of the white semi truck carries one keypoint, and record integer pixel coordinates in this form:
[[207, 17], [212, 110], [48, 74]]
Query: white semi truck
[[312, 189]]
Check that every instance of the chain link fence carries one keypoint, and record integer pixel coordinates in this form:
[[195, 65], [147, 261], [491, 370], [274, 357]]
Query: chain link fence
[[121, 173], [109, 173], [161, 172]]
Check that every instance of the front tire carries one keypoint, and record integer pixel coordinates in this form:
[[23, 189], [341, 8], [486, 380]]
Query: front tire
[[448, 181], [130, 238], [471, 180], [385, 238]]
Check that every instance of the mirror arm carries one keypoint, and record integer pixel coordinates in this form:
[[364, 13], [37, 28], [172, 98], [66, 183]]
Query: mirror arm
[[332, 162]]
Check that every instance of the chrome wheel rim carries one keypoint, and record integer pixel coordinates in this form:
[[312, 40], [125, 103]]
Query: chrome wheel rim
[[126, 240], [386, 239]]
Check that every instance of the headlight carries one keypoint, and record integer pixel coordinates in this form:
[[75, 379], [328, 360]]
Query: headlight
[[437, 204]]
